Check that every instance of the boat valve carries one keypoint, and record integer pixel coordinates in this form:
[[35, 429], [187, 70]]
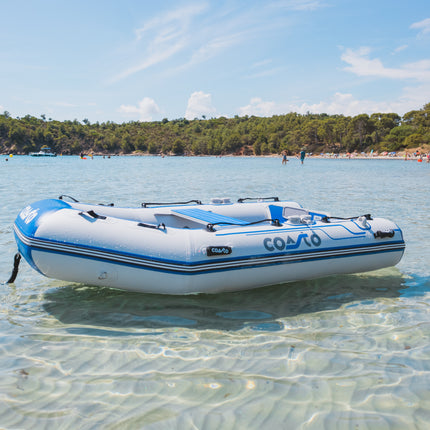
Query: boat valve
[[103, 275], [363, 221]]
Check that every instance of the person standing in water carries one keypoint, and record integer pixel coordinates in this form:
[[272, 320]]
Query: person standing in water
[[302, 155], [284, 157]]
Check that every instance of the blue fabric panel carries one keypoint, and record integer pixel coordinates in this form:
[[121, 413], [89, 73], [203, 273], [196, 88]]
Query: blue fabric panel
[[276, 212], [208, 217]]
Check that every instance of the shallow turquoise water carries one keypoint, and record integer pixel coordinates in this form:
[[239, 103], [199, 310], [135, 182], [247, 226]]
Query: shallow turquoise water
[[340, 352]]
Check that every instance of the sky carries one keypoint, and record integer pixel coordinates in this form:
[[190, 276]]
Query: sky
[[146, 60]]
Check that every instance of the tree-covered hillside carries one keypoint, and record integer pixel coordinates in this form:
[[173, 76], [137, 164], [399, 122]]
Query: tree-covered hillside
[[239, 135]]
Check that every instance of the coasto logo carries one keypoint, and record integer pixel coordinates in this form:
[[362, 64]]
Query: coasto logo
[[218, 250], [28, 214], [281, 244]]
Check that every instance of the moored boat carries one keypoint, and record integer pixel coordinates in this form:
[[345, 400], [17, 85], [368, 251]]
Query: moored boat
[[44, 152], [200, 248]]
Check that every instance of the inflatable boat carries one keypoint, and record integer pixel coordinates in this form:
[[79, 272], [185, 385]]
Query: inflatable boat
[[190, 247]]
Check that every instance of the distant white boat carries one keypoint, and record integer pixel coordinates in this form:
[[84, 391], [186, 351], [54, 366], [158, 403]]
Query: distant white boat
[[44, 152]]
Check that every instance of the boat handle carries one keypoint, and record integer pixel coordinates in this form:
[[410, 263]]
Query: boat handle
[[69, 197], [381, 234], [92, 214], [145, 205], [275, 199], [160, 226]]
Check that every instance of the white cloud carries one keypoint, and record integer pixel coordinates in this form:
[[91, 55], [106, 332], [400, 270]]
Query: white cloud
[[145, 109], [210, 46], [161, 38], [299, 5], [361, 65], [400, 48], [261, 63], [261, 69], [189, 36], [341, 104], [423, 26], [259, 107], [199, 104], [151, 60], [345, 104], [265, 73], [64, 104], [172, 22], [213, 47], [413, 98]]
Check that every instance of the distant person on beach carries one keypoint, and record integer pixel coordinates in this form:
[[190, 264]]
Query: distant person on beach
[[284, 158], [302, 155]]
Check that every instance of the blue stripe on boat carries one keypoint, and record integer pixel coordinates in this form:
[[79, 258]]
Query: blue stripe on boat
[[202, 266]]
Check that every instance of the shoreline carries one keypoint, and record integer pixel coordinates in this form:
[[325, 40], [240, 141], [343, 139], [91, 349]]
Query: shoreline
[[423, 157]]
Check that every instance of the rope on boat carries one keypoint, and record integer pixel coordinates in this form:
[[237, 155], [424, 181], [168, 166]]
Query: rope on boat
[[77, 201], [145, 205], [16, 260], [275, 222], [327, 218]]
